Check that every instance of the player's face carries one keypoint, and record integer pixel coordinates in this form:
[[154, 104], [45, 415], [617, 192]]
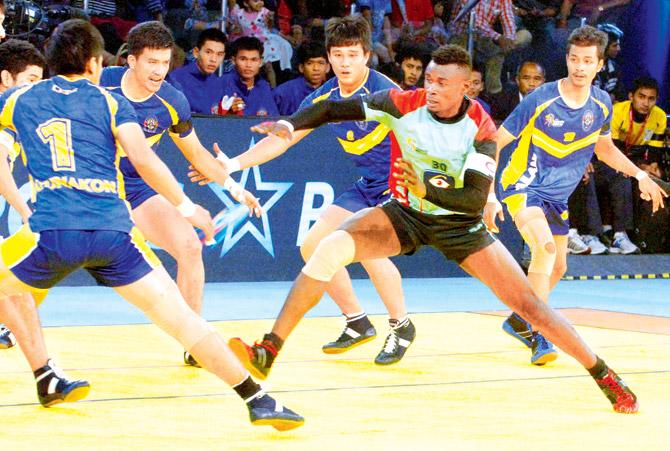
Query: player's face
[[150, 67], [248, 63], [349, 64], [476, 85], [583, 64], [315, 70], [210, 56], [411, 69], [30, 74], [445, 87], [643, 100], [530, 77]]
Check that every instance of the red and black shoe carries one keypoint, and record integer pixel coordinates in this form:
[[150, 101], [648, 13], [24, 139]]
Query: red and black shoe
[[257, 358], [622, 398]]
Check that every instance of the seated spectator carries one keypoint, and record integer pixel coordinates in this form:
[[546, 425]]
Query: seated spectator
[[377, 14], [594, 11], [245, 93], [412, 59], [529, 77], [313, 67], [438, 32], [608, 78], [420, 15], [199, 79], [477, 86]]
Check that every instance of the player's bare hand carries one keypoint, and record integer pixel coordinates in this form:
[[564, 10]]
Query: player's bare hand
[[203, 221], [196, 177], [273, 128], [651, 191], [493, 210], [248, 199], [407, 177]]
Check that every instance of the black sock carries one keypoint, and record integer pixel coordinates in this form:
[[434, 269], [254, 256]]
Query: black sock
[[275, 340], [360, 323], [253, 394], [599, 370]]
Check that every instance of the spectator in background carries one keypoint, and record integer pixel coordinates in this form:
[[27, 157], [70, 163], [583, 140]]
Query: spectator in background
[[420, 15], [529, 77], [2, 19], [438, 32], [594, 11], [245, 93], [199, 79], [490, 45], [412, 59], [477, 86], [313, 67], [377, 12], [608, 78], [146, 10]]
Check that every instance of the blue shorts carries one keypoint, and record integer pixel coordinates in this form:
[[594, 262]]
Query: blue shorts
[[113, 258], [364, 194], [137, 191], [555, 212]]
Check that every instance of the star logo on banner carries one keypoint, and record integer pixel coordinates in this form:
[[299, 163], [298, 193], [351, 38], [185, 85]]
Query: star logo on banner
[[233, 234]]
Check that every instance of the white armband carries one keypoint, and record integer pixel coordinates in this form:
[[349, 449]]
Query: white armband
[[287, 124], [480, 163], [640, 175], [233, 187], [232, 164], [492, 198], [186, 207]]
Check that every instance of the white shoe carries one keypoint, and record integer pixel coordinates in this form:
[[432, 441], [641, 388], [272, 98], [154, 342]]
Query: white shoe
[[623, 244], [575, 244], [594, 243]]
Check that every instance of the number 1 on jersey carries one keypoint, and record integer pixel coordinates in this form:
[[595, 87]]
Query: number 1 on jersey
[[57, 133]]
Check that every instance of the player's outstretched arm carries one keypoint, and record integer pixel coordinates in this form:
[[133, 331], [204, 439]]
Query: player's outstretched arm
[[609, 154], [159, 177], [8, 188], [493, 210]]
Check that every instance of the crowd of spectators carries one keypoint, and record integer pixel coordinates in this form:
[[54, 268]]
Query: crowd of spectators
[[262, 58]]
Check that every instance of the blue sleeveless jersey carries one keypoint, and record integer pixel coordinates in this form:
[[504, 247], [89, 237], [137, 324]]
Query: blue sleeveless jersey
[[367, 143], [67, 129]]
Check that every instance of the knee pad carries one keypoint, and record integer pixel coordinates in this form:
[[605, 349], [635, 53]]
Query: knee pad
[[177, 319], [542, 246], [334, 252]]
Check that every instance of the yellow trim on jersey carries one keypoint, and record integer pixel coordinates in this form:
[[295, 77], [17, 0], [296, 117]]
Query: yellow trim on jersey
[[557, 148], [141, 245], [362, 145], [113, 106], [7, 113], [324, 96], [606, 111], [515, 203], [362, 85], [173, 113]]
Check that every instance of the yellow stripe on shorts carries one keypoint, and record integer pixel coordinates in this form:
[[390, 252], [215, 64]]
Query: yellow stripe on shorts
[[515, 203], [140, 243]]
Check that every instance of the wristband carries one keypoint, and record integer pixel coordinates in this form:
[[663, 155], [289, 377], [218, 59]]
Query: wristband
[[491, 198], [640, 175], [232, 164], [186, 207], [233, 187], [287, 124]]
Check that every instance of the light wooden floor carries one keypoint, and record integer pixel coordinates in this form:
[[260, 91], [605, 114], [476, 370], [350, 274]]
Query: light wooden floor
[[463, 385]]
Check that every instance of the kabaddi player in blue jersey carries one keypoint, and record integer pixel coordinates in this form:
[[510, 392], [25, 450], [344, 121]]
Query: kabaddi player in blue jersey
[[81, 219], [348, 44], [162, 108], [555, 131], [447, 165]]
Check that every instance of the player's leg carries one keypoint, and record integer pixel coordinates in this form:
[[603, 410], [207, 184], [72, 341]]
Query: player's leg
[[165, 227], [366, 235], [496, 268]]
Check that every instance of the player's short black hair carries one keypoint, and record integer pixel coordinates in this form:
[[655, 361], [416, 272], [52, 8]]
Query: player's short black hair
[[645, 82], [411, 50], [452, 54], [528, 63], [149, 35], [310, 50], [348, 30], [211, 34], [71, 46], [17, 55], [246, 43], [588, 36]]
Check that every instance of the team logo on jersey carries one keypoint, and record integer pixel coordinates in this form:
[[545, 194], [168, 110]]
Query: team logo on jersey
[[442, 181], [587, 120], [350, 135], [60, 90], [150, 125], [552, 121], [569, 137]]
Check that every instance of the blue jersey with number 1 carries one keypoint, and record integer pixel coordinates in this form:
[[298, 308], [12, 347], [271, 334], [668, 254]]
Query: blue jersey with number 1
[[67, 130]]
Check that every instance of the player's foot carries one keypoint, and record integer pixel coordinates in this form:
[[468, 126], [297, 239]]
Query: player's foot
[[518, 328], [396, 344], [190, 360], [267, 411], [357, 331], [7, 338], [615, 389], [53, 387], [543, 350], [257, 358]]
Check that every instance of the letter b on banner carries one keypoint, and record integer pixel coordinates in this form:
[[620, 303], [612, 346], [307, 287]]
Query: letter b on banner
[[309, 212]]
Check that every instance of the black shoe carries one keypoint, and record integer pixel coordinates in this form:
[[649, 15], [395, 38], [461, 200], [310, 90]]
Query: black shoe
[[349, 339], [270, 412], [257, 359], [53, 387], [7, 339], [396, 344], [190, 360]]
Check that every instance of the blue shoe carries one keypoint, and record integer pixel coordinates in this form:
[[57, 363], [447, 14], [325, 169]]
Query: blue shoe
[[53, 387], [7, 339], [518, 328], [277, 416], [543, 351]]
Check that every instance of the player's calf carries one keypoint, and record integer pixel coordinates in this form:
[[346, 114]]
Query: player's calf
[[53, 387]]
